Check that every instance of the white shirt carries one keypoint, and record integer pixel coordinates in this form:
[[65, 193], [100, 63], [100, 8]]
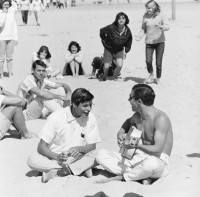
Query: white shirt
[[79, 58], [49, 68], [63, 131], [8, 26], [30, 82]]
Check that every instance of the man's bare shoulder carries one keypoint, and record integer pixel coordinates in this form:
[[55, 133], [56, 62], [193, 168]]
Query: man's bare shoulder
[[162, 118]]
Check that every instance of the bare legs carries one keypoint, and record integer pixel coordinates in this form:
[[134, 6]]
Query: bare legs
[[119, 63], [6, 52], [74, 68], [36, 17], [15, 115]]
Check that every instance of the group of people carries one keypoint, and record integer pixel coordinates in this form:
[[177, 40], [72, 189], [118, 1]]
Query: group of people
[[117, 40], [68, 140]]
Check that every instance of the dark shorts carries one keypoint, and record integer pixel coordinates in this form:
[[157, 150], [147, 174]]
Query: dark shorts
[[108, 56]]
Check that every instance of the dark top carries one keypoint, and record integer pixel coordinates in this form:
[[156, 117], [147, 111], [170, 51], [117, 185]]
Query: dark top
[[127, 124], [113, 41]]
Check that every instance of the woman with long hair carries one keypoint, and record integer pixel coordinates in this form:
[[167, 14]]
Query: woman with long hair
[[154, 24], [117, 40], [8, 35], [74, 58]]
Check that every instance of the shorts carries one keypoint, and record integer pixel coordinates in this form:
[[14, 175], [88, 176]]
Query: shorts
[[4, 125], [108, 56]]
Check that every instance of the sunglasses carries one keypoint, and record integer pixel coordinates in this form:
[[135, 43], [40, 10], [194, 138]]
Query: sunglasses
[[131, 97]]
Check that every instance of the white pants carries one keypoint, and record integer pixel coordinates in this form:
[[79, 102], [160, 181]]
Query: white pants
[[77, 166], [142, 165], [41, 108]]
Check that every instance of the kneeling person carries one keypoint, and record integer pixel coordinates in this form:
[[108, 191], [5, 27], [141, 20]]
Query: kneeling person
[[68, 140]]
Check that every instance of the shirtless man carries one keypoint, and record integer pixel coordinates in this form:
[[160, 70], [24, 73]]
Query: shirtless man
[[151, 158]]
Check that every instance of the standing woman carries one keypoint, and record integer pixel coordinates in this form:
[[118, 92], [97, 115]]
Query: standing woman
[[153, 25], [36, 7], [24, 8], [117, 41], [8, 35], [74, 58]]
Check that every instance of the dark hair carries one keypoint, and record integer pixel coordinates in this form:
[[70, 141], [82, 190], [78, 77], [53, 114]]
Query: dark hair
[[97, 62], [145, 93], [156, 4], [44, 48], [3, 1], [81, 95], [74, 43], [38, 62], [118, 16]]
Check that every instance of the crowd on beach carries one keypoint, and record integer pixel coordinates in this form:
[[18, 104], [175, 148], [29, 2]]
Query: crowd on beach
[[68, 140]]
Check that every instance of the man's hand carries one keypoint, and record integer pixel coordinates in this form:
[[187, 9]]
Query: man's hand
[[75, 152], [62, 157], [131, 142], [24, 103], [120, 139]]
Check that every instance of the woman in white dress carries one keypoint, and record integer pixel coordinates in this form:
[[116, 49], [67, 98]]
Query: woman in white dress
[[8, 35], [36, 7]]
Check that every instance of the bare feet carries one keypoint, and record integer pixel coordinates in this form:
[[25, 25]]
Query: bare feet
[[29, 135], [46, 176], [157, 81], [88, 173], [147, 181], [150, 79], [116, 178]]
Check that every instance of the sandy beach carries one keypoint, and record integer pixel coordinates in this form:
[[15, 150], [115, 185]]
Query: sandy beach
[[178, 95]]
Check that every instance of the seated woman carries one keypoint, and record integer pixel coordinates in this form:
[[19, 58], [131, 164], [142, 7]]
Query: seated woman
[[74, 58], [44, 55]]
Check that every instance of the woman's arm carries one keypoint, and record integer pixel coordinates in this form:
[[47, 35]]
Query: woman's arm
[[139, 36], [69, 57], [79, 57]]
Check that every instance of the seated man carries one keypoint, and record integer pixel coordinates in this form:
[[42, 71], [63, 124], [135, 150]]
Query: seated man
[[36, 89], [11, 113], [68, 140], [150, 159]]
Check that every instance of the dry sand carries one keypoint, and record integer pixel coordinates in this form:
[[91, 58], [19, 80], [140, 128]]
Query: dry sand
[[178, 96]]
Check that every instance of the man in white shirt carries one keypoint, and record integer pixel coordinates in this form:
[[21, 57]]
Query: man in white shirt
[[68, 140], [38, 91], [11, 113]]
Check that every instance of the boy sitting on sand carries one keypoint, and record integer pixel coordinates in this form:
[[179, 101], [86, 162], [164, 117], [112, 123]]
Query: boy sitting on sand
[[68, 140]]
